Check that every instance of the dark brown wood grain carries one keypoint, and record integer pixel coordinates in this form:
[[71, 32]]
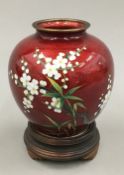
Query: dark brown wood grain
[[82, 146]]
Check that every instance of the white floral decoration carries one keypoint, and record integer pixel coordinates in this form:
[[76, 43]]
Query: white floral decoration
[[104, 97], [60, 62], [16, 78], [54, 68], [27, 103], [73, 55], [56, 104], [48, 59], [43, 91], [43, 83], [33, 87], [50, 70], [25, 79], [38, 55], [65, 86]]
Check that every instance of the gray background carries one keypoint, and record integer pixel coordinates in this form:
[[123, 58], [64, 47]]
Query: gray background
[[107, 19]]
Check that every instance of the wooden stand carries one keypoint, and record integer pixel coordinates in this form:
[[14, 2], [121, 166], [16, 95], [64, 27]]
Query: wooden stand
[[82, 146]]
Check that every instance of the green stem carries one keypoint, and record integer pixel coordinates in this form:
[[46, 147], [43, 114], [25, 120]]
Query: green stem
[[69, 104], [72, 112]]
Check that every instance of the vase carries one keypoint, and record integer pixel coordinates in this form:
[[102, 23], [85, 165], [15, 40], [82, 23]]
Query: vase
[[61, 78]]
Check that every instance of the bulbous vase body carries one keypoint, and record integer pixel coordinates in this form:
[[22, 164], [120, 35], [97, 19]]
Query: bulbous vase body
[[61, 76]]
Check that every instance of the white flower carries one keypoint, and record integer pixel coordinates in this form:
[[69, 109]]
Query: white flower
[[16, 76], [49, 107], [65, 71], [78, 49], [57, 76], [23, 67], [61, 54], [109, 86], [72, 69], [58, 110], [65, 86], [104, 100], [63, 80], [95, 114], [84, 48], [110, 81], [60, 62], [40, 56], [77, 54], [66, 78], [27, 103], [107, 95], [27, 71], [33, 87], [56, 102], [49, 70], [25, 63], [12, 77], [109, 75], [48, 59], [77, 63], [37, 54], [42, 91], [10, 72], [46, 102], [34, 55], [26, 92], [22, 61], [16, 82], [25, 79], [31, 97], [43, 83], [69, 65], [72, 55], [38, 61]]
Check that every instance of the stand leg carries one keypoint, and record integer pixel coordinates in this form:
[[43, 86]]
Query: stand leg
[[33, 155], [92, 154]]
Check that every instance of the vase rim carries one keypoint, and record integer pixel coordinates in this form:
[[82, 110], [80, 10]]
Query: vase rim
[[61, 25]]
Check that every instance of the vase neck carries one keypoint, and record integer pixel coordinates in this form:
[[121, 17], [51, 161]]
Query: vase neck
[[61, 28]]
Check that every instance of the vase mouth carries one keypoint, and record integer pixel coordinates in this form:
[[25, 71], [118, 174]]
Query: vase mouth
[[61, 25]]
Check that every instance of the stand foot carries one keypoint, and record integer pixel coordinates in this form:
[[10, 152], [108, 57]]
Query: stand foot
[[92, 154]]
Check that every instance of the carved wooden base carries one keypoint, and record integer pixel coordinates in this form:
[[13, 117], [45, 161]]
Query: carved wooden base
[[82, 146]]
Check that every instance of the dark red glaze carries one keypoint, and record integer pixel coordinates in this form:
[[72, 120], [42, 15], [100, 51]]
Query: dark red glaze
[[52, 37]]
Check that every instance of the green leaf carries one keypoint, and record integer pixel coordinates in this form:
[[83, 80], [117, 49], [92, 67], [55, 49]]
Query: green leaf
[[69, 108], [71, 91], [56, 86], [51, 94], [75, 106], [81, 105], [62, 102], [73, 98], [85, 117], [65, 123], [52, 121]]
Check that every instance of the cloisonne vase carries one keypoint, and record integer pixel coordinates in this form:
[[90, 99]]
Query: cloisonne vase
[[61, 78]]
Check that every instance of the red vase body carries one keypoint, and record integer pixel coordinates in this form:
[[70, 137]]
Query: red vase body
[[61, 77]]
